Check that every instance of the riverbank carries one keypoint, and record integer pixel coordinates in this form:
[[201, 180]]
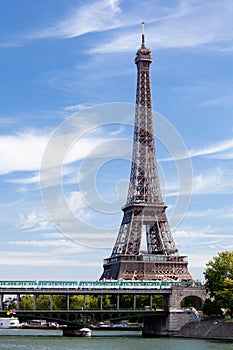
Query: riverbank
[[218, 330]]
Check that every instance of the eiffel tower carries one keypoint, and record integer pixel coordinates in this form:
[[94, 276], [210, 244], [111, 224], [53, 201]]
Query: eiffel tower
[[144, 211]]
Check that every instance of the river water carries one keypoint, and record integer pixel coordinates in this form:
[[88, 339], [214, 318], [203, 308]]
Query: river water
[[52, 340]]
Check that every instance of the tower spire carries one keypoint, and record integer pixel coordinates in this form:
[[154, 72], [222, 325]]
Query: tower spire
[[143, 35]]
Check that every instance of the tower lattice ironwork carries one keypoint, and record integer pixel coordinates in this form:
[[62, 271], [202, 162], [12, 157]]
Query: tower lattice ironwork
[[144, 212]]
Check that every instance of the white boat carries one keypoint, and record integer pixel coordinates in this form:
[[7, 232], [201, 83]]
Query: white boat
[[84, 332], [9, 322]]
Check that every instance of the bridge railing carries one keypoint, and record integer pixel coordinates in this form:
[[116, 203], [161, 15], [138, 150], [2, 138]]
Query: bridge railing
[[76, 285]]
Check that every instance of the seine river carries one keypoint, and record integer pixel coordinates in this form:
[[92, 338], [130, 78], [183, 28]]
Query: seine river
[[52, 340]]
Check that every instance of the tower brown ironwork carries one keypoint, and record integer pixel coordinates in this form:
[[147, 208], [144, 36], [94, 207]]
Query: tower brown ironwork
[[144, 212]]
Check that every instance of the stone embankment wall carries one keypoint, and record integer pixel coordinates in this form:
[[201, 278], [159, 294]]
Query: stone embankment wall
[[207, 330]]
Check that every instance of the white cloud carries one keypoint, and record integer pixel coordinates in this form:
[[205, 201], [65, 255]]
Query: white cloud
[[60, 246], [199, 236], [34, 221], [199, 260], [202, 213], [213, 181], [220, 213], [219, 101], [89, 17], [25, 180], [4, 121], [34, 259], [43, 243], [228, 213], [223, 156], [78, 107], [9, 44], [204, 23], [213, 151], [22, 151]]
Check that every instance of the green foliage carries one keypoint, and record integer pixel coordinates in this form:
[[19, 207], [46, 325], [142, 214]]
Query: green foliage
[[108, 302], [59, 302], [26, 302], [126, 301], [12, 305], [43, 302], [92, 302], [157, 301], [76, 302], [188, 302], [142, 301], [219, 280], [212, 308]]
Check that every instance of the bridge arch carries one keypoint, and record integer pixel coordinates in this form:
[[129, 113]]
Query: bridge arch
[[195, 294], [192, 301]]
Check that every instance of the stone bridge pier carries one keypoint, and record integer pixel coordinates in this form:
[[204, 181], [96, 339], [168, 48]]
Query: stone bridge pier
[[177, 316]]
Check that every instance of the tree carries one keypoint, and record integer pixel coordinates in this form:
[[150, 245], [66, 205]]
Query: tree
[[142, 301], [12, 305], [77, 302], [26, 302], [188, 302], [211, 308], [43, 302], [59, 302], [219, 280], [107, 302], [157, 301], [126, 301], [92, 302]]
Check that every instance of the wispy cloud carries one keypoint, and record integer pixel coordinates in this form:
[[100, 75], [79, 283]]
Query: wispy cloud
[[203, 240], [200, 235], [34, 221], [22, 151], [6, 121], [219, 101], [25, 180], [223, 156], [78, 107], [42, 243], [199, 260], [10, 44], [90, 17], [204, 23], [55, 243], [214, 151], [216, 180], [34, 259], [225, 212]]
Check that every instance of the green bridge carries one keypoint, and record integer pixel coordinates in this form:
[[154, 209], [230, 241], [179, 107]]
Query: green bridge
[[86, 317], [165, 320]]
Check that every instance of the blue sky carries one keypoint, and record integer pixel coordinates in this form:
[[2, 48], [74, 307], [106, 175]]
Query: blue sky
[[68, 82]]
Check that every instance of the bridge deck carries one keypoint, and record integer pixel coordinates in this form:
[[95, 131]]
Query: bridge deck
[[86, 291]]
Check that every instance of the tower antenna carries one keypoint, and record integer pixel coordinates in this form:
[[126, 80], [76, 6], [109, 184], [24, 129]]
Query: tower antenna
[[143, 34]]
